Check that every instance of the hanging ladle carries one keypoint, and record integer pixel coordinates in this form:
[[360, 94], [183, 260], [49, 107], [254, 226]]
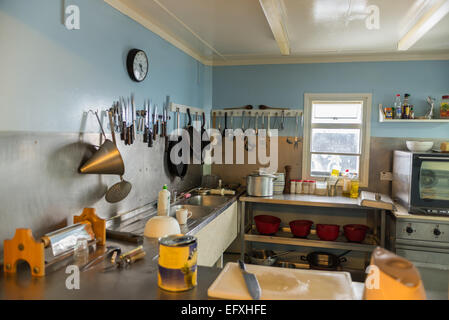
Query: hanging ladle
[[120, 190]]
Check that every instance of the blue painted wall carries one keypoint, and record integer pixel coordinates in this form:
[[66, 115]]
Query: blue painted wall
[[50, 76], [285, 85]]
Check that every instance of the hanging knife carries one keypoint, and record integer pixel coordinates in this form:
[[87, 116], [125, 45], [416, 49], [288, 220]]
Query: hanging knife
[[133, 119], [150, 125], [122, 120], [147, 117], [251, 282], [167, 113], [128, 122], [155, 123]]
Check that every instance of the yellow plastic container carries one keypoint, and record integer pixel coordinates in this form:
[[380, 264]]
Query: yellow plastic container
[[354, 188]]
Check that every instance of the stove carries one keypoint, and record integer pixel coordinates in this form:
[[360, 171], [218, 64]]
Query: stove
[[424, 240]]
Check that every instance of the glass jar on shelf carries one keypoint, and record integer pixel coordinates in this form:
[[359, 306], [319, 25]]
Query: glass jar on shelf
[[444, 107]]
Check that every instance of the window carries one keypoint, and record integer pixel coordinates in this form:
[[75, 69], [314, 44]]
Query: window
[[336, 135]]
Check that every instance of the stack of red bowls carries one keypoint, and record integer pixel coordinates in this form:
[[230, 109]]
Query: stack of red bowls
[[301, 228], [266, 224]]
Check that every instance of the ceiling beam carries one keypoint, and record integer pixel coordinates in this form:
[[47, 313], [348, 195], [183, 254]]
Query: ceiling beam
[[428, 20], [274, 11]]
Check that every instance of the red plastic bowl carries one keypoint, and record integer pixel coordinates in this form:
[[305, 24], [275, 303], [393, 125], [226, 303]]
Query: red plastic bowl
[[300, 228], [355, 232], [327, 232], [267, 224]]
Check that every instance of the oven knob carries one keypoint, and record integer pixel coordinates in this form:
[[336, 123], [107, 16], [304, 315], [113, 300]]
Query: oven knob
[[436, 232], [409, 230]]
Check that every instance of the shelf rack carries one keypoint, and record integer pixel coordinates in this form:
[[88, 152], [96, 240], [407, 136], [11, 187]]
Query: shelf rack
[[183, 109], [285, 237], [383, 119], [288, 113]]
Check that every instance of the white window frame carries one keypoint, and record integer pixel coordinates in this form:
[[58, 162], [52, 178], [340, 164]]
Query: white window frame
[[366, 99]]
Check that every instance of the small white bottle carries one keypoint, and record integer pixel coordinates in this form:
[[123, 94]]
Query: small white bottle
[[163, 202]]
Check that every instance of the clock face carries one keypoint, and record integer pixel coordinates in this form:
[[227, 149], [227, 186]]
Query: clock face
[[137, 65]]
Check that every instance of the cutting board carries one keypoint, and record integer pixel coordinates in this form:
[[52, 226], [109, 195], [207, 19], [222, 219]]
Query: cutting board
[[283, 284]]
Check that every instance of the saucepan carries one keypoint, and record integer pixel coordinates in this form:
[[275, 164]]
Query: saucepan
[[265, 257]]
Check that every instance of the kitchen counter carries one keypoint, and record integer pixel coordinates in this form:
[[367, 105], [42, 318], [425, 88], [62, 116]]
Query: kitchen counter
[[134, 222], [305, 200], [137, 282], [402, 213]]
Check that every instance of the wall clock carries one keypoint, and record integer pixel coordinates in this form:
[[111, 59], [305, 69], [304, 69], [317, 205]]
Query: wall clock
[[137, 65]]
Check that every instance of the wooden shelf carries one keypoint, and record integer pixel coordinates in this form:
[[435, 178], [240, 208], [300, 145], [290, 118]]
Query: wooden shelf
[[383, 119], [286, 238]]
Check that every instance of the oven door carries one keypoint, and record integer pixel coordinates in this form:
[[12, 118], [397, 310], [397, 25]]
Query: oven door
[[433, 267], [430, 184]]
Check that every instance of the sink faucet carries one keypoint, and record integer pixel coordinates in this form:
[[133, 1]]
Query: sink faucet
[[175, 194]]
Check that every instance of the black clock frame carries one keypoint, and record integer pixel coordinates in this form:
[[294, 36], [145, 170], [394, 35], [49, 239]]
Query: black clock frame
[[130, 64]]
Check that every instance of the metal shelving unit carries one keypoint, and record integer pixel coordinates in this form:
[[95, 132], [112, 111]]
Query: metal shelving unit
[[248, 233], [286, 238]]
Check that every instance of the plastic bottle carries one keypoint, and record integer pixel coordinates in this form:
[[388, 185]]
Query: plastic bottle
[[346, 183], [406, 107], [397, 113], [354, 187], [163, 202]]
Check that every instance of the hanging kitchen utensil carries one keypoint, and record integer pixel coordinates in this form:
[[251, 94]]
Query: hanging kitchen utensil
[[177, 170], [106, 160], [194, 135], [297, 132], [247, 107], [120, 190], [225, 124], [205, 139], [264, 107]]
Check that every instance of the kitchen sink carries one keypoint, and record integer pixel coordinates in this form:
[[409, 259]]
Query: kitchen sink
[[206, 201], [198, 212]]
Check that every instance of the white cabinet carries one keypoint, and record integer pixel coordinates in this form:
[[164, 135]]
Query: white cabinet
[[216, 237]]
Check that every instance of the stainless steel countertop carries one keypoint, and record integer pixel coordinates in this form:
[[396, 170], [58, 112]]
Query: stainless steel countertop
[[138, 281], [306, 200], [135, 221]]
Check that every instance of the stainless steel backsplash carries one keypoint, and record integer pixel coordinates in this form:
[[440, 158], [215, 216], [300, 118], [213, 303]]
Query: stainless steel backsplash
[[41, 188]]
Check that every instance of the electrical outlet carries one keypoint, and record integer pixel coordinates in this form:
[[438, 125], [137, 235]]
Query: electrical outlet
[[386, 176]]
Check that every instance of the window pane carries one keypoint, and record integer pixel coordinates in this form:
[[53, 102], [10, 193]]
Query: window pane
[[337, 112], [336, 140], [323, 164], [434, 181]]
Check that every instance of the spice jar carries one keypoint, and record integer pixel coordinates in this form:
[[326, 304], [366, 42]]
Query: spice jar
[[305, 187], [312, 186], [299, 186], [292, 186]]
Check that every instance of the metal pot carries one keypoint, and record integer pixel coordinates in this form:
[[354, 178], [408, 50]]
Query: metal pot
[[258, 185], [324, 260]]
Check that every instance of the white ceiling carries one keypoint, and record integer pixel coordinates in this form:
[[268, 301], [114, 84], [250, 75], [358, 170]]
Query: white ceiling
[[228, 32]]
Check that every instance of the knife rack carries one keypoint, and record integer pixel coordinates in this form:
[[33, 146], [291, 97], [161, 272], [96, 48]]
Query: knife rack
[[23, 246], [174, 107]]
